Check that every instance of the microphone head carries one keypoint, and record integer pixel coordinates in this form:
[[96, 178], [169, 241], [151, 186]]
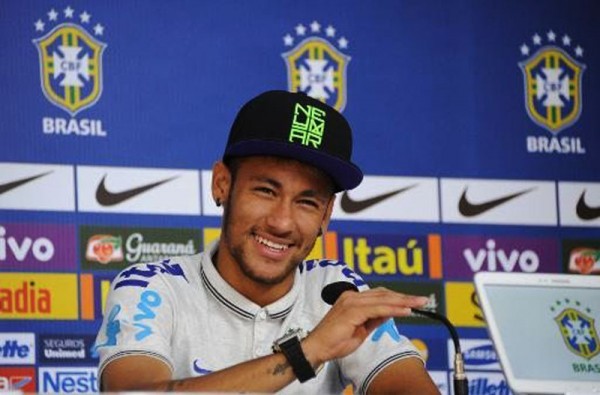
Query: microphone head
[[332, 291]]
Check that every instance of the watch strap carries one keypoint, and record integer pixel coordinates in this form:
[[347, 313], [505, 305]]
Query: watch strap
[[292, 350]]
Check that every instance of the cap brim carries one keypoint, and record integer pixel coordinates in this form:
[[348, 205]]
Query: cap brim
[[345, 175]]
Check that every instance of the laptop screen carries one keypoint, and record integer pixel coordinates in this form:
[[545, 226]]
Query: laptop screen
[[545, 329]]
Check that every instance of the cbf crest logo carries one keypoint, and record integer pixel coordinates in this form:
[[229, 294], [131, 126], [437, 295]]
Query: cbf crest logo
[[552, 81], [70, 59], [577, 328], [316, 64]]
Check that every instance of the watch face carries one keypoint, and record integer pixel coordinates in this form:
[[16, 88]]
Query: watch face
[[293, 334]]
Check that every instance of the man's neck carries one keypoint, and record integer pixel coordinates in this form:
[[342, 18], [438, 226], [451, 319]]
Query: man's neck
[[260, 293]]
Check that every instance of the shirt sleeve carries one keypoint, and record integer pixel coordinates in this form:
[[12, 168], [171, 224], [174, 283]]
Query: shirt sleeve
[[138, 318], [383, 347]]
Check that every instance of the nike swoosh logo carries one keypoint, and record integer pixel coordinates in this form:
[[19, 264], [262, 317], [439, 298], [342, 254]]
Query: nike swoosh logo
[[108, 198], [469, 209], [584, 211], [199, 369], [352, 206], [14, 184]]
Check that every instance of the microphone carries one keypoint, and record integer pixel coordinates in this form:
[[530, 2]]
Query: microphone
[[331, 293]]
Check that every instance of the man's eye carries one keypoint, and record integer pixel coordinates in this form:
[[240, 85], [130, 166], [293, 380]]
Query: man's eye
[[310, 203], [265, 190]]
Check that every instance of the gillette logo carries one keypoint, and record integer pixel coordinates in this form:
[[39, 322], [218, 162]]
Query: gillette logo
[[68, 380], [12, 349], [17, 349], [488, 386]]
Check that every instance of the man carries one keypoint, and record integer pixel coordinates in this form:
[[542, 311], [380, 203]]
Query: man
[[236, 317]]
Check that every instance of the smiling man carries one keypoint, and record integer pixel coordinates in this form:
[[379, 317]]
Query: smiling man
[[250, 314]]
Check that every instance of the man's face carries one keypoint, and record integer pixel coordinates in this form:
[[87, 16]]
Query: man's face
[[273, 213]]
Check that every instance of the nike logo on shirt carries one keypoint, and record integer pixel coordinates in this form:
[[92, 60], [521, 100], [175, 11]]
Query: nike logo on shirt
[[108, 198], [584, 211], [14, 184], [352, 206], [468, 209]]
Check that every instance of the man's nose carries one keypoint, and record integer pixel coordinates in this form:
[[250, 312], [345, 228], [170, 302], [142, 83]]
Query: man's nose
[[281, 217]]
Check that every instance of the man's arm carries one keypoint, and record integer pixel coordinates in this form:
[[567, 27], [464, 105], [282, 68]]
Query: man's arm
[[343, 329], [404, 377], [138, 372]]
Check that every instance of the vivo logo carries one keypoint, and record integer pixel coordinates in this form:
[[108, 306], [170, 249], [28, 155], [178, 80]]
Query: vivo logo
[[41, 248], [68, 380], [149, 301], [492, 259]]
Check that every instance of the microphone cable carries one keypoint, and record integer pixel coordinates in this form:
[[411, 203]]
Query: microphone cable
[[460, 381]]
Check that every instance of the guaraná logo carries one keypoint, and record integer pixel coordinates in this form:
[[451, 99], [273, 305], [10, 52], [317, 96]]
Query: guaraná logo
[[577, 328], [584, 260], [104, 249], [70, 59], [552, 80], [315, 63]]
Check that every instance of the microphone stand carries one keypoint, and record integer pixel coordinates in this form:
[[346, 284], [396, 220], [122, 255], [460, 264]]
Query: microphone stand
[[460, 381]]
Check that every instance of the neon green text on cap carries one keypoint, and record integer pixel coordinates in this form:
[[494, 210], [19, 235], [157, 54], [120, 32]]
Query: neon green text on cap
[[308, 125]]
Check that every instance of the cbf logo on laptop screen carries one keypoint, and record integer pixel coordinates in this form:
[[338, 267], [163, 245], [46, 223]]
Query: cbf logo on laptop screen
[[577, 328], [70, 59], [316, 64], [552, 79]]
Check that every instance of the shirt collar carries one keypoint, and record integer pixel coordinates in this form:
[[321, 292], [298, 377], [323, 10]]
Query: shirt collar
[[235, 301]]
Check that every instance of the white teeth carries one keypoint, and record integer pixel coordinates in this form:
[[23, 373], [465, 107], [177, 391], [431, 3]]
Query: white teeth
[[270, 244]]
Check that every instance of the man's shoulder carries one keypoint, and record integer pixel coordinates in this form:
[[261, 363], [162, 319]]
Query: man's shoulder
[[167, 270], [326, 271]]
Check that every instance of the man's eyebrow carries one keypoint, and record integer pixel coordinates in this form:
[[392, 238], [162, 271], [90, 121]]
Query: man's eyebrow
[[311, 193], [274, 183]]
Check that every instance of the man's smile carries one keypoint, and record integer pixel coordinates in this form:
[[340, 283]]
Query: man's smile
[[271, 244]]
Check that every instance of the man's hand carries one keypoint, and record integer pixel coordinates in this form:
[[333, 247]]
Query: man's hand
[[352, 318]]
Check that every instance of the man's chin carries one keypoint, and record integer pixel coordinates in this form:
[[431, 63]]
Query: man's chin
[[266, 279]]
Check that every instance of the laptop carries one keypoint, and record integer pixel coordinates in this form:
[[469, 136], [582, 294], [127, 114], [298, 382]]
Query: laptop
[[545, 329]]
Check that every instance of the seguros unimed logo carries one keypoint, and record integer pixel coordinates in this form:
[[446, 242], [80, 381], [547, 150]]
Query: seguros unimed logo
[[317, 66], [71, 70]]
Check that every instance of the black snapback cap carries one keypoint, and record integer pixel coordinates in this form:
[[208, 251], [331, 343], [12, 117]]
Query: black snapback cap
[[294, 125]]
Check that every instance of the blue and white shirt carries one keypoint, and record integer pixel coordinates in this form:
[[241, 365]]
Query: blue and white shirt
[[183, 313]]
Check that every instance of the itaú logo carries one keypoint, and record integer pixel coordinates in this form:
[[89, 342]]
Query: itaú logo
[[375, 255], [41, 248]]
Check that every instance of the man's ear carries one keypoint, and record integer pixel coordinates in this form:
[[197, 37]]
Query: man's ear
[[327, 216], [221, 182]]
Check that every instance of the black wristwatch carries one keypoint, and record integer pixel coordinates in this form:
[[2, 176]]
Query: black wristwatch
[[289, 345]]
